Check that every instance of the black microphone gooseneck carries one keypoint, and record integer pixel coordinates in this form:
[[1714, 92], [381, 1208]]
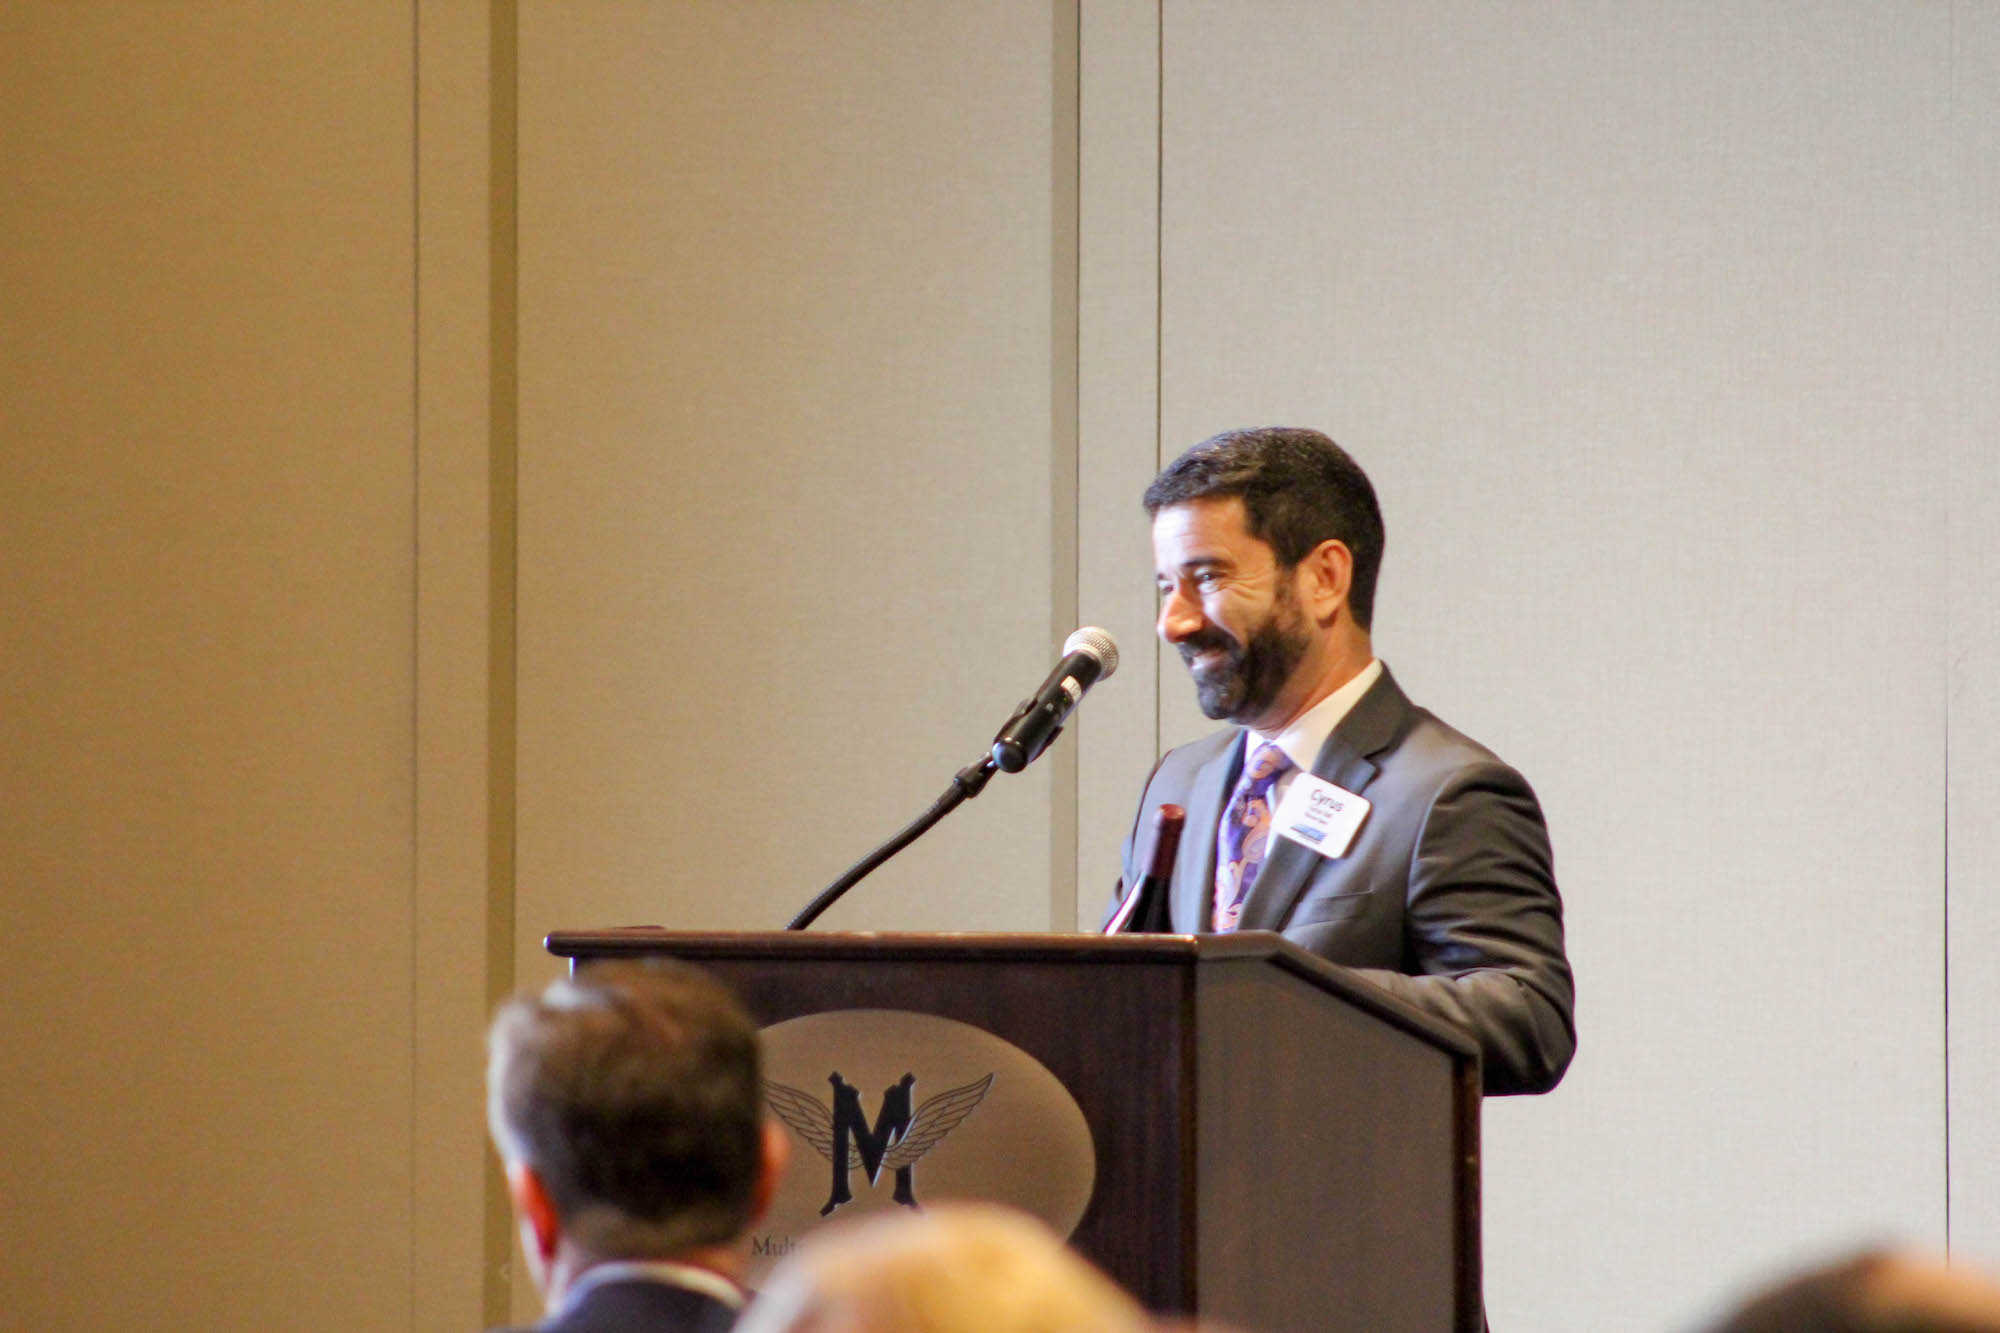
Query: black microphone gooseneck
[[1089, 655], [967, 783]]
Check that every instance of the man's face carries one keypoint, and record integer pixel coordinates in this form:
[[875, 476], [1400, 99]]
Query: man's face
[[1229, 608]]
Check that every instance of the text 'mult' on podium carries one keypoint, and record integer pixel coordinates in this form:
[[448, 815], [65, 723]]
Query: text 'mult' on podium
[[1225, 1124]]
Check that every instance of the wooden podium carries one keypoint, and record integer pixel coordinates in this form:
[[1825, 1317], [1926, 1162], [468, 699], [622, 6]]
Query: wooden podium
[[1279, 1144]]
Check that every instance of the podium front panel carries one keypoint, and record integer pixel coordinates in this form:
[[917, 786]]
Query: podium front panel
[[1276, 1144]]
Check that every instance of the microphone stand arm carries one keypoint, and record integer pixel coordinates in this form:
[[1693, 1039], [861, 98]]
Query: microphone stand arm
[[966, 784]]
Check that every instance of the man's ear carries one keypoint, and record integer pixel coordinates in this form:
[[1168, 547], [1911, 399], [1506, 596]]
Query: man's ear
[[1329, 576], [535, 1209], [776, 1150]]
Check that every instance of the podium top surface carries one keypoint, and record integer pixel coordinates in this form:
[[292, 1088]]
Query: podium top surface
[[1267, 947]]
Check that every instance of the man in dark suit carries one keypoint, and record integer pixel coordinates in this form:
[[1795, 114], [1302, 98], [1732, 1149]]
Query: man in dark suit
[[1335, 811], [626, 1104]]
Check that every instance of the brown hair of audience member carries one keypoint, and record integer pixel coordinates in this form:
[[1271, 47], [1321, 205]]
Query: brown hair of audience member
[[955, 1268], [1877, 1291], [627, 1106]]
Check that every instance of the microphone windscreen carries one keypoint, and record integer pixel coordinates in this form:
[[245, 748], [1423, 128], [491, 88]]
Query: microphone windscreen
[[1098, 643]]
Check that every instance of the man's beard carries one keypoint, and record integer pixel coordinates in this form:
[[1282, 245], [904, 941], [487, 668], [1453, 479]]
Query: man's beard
[[1243, 682]]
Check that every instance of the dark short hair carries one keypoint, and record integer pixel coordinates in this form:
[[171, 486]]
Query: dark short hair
[[1298, 489], [634, 1090]]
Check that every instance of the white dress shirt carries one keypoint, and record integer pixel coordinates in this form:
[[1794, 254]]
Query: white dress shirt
[[1307, 734]]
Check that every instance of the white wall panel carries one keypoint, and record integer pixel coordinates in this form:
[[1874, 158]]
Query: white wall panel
[[1635, 314], [1118, 421], [1974, 313], [785, 485]]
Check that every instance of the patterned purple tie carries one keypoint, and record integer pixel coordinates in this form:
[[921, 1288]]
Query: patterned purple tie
[[1244, 834]]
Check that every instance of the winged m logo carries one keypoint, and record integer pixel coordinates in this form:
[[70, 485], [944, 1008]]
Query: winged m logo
[[897, 1140]]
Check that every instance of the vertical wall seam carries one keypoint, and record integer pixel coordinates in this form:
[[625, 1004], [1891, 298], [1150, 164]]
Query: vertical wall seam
[[502, 568], [1953, 185], [416, 643], [1068, 883], [1159, 304], [1065, 470]]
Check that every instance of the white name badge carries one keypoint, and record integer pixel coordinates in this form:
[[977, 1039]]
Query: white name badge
[[1320, 816]]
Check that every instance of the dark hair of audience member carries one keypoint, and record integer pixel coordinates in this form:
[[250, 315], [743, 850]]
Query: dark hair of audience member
[[634, 1091]]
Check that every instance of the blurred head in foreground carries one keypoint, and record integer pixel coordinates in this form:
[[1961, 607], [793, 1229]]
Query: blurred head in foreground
[[961, 1268], [1879, 1291], [627, 1107]]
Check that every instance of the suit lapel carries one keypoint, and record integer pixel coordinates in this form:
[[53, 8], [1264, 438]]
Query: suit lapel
[[1346, 760], [1194, 864]]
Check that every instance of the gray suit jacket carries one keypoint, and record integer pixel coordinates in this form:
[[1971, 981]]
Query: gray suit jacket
[[1447, 896]]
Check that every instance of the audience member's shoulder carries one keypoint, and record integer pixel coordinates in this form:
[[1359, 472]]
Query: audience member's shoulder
[[1876, 1291]]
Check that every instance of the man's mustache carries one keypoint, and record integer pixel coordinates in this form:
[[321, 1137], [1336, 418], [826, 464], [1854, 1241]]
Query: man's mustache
[[1206, 641]]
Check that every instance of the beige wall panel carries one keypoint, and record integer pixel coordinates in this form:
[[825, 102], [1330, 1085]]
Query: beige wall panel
[[206, 693], [1636, 315], [1974, 313], [455, 893], [785, 458]]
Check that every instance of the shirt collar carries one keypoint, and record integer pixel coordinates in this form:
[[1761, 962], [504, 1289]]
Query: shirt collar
[[1306, 736], [706, 1281]]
